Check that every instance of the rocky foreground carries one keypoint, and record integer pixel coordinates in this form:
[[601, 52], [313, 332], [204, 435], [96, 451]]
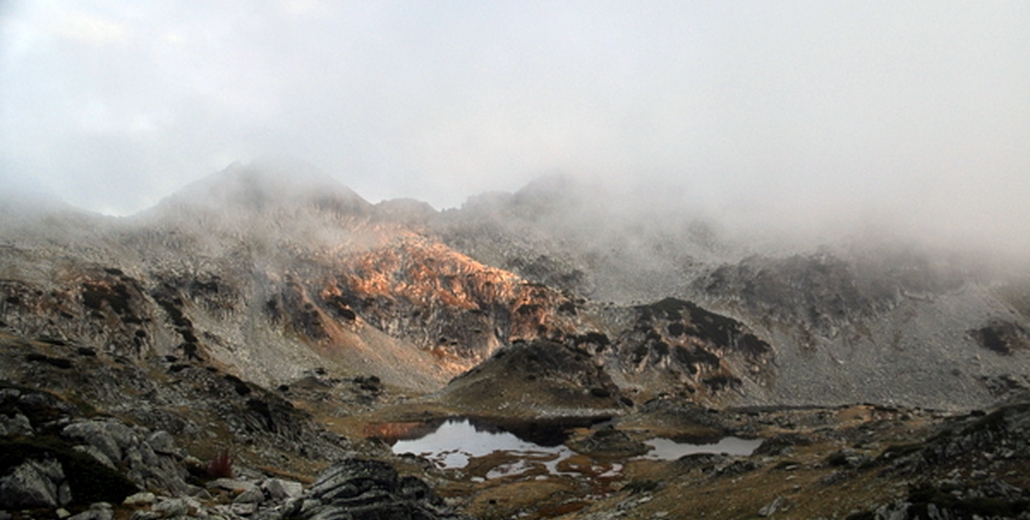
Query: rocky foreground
[[57, 464], [62, 458]]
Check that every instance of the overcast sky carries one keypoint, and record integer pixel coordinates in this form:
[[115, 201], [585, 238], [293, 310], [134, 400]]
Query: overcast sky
[[823, 109]]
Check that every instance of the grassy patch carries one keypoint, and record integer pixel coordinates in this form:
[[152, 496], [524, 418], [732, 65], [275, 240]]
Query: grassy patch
[[641, 486]]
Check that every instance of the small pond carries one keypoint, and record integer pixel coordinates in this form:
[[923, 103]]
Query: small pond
[[457, 443], [667, 449]]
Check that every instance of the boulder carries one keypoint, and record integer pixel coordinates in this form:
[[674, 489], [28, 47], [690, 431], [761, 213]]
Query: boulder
[[848, 458], [163, 443], [110, 437], [354, 477], [250, 496], [231, 484], [243, 508], [34, 484], [98, 511], [17, 424], [361, 489], [94, 452], [279, 489], [140, 499], [172, 507], [771, 507], [117, 446]]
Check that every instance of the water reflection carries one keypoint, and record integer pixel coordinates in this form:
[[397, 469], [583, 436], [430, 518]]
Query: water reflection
[[455, 442], [667, 449], [495, 452]]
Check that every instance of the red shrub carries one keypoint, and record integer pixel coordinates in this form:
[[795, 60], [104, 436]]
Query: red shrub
[[220, 466]]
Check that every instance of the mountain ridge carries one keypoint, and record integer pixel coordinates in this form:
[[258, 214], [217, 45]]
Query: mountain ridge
[[305, 269], [278, 331]]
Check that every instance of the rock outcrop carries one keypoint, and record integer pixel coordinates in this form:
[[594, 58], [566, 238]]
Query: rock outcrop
[[362, 489], [37, 483], [543, 379], [676, 347], [151, 460]]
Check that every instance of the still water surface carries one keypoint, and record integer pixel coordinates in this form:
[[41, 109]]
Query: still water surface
[[456, 442], [667, 449]]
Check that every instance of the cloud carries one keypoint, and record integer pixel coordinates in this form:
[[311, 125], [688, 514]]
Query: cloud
[[88, 29], [798, 112]]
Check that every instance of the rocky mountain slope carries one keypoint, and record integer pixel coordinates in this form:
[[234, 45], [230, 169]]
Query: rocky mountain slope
[[269, 279], [270, 271], [270, 312], [874, 318]]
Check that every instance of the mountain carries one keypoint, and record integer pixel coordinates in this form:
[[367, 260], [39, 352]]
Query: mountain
[[276, 261], [270, 309], [875, 319]]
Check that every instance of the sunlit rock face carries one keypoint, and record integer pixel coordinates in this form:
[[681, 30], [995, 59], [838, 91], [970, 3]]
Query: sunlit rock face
[[271, 277]]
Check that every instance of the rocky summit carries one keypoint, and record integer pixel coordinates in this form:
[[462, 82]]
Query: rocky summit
[[260, 344]]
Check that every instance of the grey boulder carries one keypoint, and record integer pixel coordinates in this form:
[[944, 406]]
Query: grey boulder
[[34, 484]]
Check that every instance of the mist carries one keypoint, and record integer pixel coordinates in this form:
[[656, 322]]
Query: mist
[[804, 118]]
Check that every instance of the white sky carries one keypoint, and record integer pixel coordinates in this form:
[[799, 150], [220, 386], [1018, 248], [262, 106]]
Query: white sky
[[919, 111]]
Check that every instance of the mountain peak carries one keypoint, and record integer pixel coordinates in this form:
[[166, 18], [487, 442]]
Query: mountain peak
[[267, 185], [549, 193]]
